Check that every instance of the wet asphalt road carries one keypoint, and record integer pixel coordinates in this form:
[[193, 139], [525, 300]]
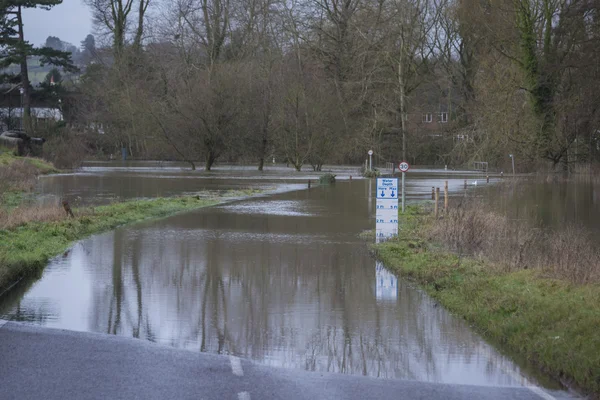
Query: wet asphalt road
[[42, 363]]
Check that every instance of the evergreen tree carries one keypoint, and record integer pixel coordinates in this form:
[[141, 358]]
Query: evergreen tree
[[54, 77], [15, 50], [88, 49], [54, 43]]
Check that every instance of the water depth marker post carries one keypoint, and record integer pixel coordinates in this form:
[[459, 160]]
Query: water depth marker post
[[386, 215], [404, 167]]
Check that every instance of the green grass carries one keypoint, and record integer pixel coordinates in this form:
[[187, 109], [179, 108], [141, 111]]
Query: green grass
[[7, 157], [25, 250], [10, 200], [554, 324]]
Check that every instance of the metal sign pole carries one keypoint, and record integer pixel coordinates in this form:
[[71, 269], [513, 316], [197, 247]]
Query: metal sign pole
[[403, 194], [404, 166]]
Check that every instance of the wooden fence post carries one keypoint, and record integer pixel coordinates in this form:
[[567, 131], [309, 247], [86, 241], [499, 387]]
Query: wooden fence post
[[437, 200], [446, 198]]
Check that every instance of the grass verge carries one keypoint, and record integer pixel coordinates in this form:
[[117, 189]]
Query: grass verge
[[26, 249], [7, 158], [551, 322]]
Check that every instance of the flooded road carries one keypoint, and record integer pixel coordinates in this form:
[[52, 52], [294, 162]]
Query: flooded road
[[283, 280]]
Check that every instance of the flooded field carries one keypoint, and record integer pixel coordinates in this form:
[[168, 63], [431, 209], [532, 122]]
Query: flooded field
[[283, 280], [105, 182], [548, 203]]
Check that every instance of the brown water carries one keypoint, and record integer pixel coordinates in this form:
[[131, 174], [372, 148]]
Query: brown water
[[284, 280], [550, 204], [105, 182]]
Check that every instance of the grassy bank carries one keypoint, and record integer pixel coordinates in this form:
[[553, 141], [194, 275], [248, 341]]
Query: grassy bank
[[554, 323], [17, 178], [7, 158], [27, 248]]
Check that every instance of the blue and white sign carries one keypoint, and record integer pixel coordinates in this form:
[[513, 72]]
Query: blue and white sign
[[386, 209], [387, 188]]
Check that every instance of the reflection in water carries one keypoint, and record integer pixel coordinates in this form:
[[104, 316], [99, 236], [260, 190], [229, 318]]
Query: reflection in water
[[290, 289], [386, 283], [552, 204]]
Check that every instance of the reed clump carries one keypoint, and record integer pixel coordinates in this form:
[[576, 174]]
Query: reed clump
[[471, 229]]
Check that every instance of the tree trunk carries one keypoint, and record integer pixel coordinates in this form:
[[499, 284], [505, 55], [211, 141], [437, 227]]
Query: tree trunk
[[25, 84], [263, 152], [402, 103], [139, 34], [210, 160]]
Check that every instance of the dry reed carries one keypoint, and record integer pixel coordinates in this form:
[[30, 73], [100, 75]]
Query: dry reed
[[471, 229], [17, 176], [24, 214]]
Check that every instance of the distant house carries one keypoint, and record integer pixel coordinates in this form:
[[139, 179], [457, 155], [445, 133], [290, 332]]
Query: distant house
[[431, 119], [434, 110], [10, 117]]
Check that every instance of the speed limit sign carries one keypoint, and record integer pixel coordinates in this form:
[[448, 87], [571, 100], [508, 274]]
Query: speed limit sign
[[404, 166]]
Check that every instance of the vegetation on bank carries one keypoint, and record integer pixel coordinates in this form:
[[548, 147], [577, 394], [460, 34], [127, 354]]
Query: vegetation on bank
[[26, 249], [327, 179], [7, 159], [552, 321], [17, 178]]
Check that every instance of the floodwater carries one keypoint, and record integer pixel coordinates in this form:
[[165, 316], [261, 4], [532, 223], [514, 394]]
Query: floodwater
[[105, 182], [551, 204], [283, 280]]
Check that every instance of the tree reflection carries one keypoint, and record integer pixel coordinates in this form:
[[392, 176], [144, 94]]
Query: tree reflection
[[262, 287]]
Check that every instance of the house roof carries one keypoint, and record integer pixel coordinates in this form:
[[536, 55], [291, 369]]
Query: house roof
[[37, 112]]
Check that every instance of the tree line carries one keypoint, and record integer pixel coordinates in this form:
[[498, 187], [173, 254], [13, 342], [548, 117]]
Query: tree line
[[309, 82]]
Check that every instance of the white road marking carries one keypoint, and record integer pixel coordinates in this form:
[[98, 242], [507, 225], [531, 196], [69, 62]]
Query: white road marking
[[535, 389], [236, 366], [541, 393], [243, 396], [2, 323]]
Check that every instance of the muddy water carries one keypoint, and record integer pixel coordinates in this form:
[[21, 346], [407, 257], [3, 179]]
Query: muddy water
[[553, 204], [105, 182], [283, 280]]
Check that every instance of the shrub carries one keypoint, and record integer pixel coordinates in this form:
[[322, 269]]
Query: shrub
[[371, 174], [65, 148], [327, 179]]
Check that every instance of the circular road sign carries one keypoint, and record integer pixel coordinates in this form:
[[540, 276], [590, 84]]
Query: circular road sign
[[370, 152], [403, 166]]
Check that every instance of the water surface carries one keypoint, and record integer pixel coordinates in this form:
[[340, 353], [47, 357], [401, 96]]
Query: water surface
[[554, 204], [284, 280]]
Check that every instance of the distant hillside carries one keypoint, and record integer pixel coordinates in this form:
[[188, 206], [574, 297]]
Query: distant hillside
[[37, 73]]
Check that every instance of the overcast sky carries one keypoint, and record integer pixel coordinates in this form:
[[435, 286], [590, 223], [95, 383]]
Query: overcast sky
[[70, 21]]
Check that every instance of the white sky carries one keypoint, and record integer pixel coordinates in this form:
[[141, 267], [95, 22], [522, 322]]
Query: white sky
[[71, 21]]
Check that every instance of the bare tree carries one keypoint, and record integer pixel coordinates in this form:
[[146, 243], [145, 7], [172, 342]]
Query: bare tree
[[113, 17]]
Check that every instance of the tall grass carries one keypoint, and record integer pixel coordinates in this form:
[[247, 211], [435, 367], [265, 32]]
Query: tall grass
[[18, 175], [23, 214], [470, 228]]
